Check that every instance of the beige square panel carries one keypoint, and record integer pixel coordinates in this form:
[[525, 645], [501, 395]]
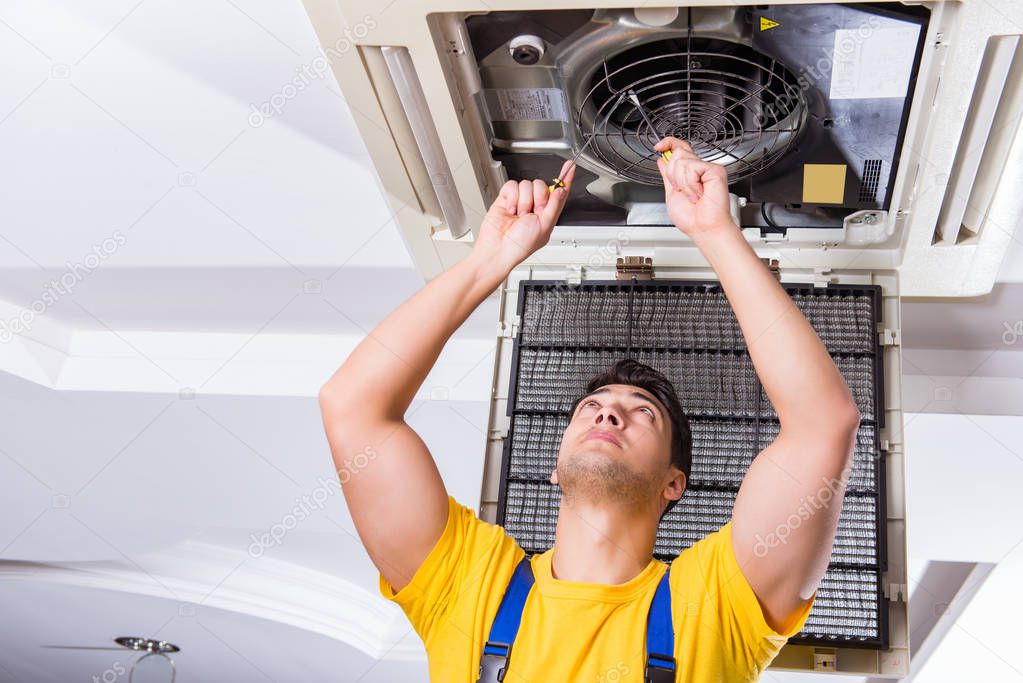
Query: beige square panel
[[824, 183]]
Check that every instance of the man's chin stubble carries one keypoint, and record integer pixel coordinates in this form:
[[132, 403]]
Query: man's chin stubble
[[599, 479]]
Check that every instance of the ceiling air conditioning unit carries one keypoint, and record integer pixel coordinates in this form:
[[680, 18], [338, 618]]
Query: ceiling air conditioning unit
[[818, 149], [872, 151]]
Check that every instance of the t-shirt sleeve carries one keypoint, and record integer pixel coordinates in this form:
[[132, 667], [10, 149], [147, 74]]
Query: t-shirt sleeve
[[741, 619], [467, 549]]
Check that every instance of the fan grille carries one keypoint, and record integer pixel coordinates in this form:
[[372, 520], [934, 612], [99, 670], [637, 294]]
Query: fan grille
[[735, 106]]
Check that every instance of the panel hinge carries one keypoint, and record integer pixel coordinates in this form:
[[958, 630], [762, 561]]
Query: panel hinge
[[888, 337], [773, 266], [821, 277], [639, 267], [498, 434], [508, 330], [897, 592], [824, 659], [573, 274]]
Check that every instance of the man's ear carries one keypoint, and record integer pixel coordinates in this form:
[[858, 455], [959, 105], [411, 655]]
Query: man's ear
[[676, 487], [554, 477]]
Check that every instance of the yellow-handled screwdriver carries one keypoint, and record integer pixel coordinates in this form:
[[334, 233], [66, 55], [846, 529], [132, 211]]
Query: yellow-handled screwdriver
[[666, 155], [560, 180], [642, 110]]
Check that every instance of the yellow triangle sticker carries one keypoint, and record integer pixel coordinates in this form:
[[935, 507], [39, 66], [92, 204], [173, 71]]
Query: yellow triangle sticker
[[766, 23]]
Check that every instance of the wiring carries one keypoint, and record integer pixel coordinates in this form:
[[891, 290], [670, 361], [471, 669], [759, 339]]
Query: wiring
[[767, 219]]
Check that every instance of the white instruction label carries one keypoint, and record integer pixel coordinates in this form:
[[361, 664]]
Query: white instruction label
[[869, 63], [526, 104]]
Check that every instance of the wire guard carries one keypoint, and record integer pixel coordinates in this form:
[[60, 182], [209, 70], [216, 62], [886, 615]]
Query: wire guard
[[735, 106]]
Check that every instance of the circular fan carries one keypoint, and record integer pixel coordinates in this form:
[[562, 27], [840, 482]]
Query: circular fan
[[735, 106]]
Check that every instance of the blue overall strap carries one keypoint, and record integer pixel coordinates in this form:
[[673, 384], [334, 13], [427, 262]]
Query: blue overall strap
[[497, 651], [660, 636]]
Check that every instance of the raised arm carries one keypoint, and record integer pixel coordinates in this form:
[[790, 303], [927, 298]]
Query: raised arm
[[390, 482], [786, 513]]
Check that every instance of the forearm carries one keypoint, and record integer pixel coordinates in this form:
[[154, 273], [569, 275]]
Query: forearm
[[386, 369], [801, 380]]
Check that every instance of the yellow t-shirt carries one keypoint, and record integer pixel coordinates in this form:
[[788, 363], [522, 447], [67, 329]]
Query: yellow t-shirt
[[575, 631]]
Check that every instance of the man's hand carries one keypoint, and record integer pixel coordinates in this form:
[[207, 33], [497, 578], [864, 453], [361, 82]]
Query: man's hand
[[695, 191], [520, 220]]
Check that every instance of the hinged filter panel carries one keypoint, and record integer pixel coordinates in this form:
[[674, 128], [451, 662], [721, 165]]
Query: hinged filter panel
[[686, 329]]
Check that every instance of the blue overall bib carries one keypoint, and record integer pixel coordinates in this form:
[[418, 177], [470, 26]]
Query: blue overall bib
[[660, 632]]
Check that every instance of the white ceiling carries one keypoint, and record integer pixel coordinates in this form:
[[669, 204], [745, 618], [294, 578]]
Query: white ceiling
[[163, 411]]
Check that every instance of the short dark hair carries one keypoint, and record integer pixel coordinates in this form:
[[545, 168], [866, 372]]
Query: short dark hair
[[632, 372]]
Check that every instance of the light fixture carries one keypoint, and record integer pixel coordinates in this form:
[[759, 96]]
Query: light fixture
[[154, 666]]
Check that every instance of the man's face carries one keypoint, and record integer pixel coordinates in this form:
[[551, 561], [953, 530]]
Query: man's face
[[616, 447]]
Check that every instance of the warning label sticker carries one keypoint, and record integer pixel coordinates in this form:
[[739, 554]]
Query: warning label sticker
[[877, 63], [766, 23], [526, 104]]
